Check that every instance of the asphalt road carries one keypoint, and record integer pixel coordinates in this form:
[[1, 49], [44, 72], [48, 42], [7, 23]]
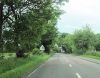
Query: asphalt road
[[66, 66]]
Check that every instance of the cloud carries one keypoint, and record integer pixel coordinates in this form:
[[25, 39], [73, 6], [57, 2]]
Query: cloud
[[79, 13]]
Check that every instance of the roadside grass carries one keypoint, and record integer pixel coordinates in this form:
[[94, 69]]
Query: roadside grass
[[22, 66], [94, 55], [91, 56], [7, 55]]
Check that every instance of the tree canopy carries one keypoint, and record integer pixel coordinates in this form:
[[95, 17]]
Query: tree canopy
[[24, 23]]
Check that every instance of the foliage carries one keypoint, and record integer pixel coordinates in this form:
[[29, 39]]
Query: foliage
[[97, 42], [65, 41], [36, 51], [84, 39], [56, 49], [48, 38], [24, 22], [80, 41], [79, 51], [50, 31]]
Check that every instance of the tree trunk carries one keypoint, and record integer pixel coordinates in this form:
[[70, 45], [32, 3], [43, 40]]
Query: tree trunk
[[1, 25]]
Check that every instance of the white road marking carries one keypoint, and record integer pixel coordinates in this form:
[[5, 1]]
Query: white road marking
[[35, 70], [70, 65], [78, 75]]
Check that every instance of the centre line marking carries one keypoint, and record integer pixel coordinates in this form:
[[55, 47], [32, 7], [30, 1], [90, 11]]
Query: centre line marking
[[78, 75], [70, 65]]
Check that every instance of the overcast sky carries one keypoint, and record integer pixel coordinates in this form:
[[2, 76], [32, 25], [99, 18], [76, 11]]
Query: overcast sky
[[78, 14]]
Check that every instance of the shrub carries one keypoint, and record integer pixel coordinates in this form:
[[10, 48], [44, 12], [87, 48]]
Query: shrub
[[79, 51], [56, 50], [36, 51]]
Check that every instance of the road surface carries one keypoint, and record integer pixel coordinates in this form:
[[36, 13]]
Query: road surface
[[66, 66]]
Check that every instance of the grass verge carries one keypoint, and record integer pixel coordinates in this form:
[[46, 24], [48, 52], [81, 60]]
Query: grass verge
[[21, 70], [91, 56]]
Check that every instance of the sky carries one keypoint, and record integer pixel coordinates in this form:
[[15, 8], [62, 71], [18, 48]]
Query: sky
[[79, 13]]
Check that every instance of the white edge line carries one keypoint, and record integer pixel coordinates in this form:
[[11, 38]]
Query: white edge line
[[78, 75], [35, 70]]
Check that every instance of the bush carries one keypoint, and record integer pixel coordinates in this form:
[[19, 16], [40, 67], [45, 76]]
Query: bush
[[36, 51], [79, 51], [56, 50]]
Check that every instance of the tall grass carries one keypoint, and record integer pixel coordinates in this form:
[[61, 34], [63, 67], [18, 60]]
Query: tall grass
[[15, 68], [11, 63]]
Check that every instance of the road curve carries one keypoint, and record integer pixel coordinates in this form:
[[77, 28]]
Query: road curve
[[66, 66]]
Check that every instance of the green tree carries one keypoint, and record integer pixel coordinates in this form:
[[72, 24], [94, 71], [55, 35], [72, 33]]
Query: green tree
[[50, 31], [23, 22], [84, 39], [97, 42], [65, 40]]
